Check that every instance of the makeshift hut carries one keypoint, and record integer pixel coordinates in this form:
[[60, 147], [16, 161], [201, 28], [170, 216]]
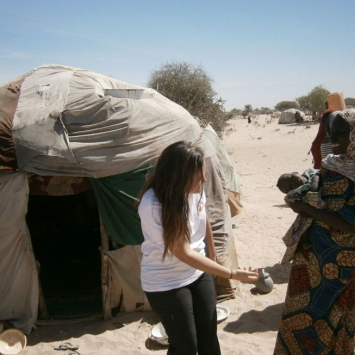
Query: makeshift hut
[[234, 189], [75, 147], [291, 116]]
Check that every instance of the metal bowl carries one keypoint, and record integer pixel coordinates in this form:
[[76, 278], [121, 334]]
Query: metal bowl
[[159, 334]]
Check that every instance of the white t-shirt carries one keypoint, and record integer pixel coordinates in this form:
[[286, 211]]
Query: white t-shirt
[[156, 274]]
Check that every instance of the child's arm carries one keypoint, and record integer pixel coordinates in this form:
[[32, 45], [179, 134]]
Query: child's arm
[[314, 184]]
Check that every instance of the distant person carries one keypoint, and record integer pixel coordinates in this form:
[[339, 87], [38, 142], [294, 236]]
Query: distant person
[[176, 275], [319, 310], [249, 119]]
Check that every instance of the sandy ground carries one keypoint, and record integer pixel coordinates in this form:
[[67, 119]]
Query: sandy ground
[[260, 151]]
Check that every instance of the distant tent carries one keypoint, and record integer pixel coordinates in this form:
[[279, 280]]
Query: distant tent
[[75, 147], [290, 116]]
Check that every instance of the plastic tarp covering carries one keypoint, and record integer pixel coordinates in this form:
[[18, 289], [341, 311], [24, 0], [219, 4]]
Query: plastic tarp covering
[[9, 96], [73, 122], [116, 197], [18, 271], [232, 183], [93, 125], [221, 222], [125, 286], [229, 173], [37, 127]]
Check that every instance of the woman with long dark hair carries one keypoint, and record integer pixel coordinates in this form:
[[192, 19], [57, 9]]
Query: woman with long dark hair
[[175, 272]]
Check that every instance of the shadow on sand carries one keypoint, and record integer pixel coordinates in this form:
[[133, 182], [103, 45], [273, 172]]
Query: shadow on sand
[[300, 124], [59, 333], [281, 206], [279, 273], [257, 321]]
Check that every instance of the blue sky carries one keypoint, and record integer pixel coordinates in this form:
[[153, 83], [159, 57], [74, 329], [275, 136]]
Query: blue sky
[[258, 52]]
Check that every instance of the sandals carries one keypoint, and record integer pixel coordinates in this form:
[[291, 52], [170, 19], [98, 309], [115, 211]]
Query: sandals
[[67, 346]]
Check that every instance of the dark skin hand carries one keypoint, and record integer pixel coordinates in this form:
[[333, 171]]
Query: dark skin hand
[[330, 218]]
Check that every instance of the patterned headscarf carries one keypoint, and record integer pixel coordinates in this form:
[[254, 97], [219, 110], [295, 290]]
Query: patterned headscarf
[[344, 163]]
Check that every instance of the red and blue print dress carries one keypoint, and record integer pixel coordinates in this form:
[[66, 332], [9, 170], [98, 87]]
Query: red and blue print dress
[[319, 311]]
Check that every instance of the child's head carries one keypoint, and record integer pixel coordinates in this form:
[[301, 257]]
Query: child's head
[[287, 182]]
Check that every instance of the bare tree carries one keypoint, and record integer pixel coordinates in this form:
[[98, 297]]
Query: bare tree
[[286, 105], [190, 87]]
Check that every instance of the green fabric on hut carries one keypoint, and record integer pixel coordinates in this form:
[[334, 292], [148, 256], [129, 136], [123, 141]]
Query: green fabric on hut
[[118, 204]]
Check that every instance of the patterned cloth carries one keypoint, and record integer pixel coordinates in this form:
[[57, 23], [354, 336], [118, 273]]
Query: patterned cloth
[[319, 312], [301, 224]]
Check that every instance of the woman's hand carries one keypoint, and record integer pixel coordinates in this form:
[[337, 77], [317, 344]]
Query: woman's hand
[[299, 206], [245, 275]]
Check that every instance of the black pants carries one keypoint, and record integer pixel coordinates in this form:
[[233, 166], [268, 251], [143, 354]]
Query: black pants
[[189, 317]]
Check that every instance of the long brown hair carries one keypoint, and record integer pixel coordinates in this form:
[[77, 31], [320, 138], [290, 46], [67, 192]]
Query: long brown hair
[[172, 181]]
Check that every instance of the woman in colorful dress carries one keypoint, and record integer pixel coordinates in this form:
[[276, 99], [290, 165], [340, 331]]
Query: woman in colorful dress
[[319, 311]]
